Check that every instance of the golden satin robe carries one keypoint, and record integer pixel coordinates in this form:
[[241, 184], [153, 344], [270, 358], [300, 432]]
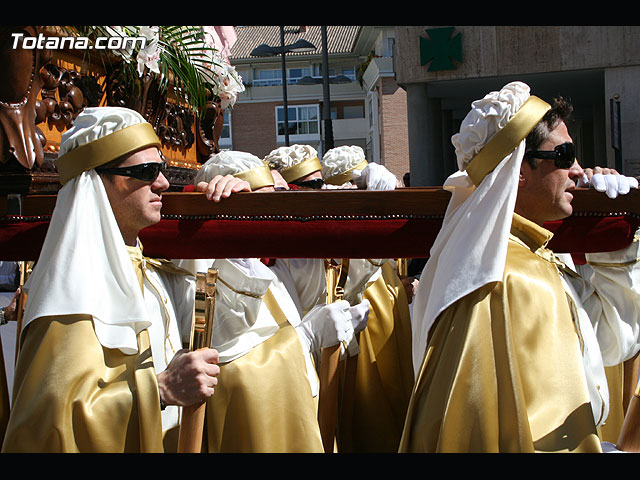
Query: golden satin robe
[[263, 401], [372, 420], [73, 395], [610, 431], [503, 369]]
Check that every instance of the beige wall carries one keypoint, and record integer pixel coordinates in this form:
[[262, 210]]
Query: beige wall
[[508, 50], [564, 58]]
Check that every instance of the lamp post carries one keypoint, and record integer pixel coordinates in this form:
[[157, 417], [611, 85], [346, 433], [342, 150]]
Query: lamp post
[[326, 108], [265, 50]]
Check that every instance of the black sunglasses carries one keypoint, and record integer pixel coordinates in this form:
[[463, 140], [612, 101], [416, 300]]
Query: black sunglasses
[[147, 172], [563, 155], [316, 183]]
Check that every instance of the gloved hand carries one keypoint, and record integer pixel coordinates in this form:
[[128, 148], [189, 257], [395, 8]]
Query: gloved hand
[[336, 323], [375, 177], [344, 186], [613, 184]]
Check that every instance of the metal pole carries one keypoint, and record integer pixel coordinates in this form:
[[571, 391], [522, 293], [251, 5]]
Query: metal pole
[[284, 89], [616, 132], [326, 109]]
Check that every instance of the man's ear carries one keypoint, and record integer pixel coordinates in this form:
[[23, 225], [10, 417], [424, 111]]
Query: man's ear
[[522, 178], [522, 181]]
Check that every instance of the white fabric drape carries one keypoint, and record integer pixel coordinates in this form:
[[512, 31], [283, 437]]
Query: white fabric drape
[[84, 267], [471, 247]]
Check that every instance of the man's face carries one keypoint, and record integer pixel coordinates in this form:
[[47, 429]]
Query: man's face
[[135, 203], [544, 193]]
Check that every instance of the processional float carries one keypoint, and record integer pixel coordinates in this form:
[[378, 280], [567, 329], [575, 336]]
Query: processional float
[[331, 224]]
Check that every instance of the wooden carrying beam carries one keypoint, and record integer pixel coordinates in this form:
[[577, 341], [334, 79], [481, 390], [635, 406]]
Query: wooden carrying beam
[[320, 224]]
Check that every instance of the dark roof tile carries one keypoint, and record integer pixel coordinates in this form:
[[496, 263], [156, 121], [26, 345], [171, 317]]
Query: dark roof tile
[[340, 39]]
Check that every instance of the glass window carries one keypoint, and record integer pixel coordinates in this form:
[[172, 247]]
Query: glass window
[[226, 126], [274, 77], [268, 77], [303, 120], [349, 72], [295, 74], [353, 111]]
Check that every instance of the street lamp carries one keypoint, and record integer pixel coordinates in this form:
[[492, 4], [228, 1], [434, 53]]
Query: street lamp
[[338, 79], [264, 50], [301, 46]]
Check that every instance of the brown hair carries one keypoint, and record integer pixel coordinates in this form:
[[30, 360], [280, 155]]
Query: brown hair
[[560, 112]]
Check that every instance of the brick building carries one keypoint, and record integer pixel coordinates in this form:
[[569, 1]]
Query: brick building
[[367, 106]]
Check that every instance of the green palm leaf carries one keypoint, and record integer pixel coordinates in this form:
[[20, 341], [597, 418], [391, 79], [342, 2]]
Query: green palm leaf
[[184, 64]]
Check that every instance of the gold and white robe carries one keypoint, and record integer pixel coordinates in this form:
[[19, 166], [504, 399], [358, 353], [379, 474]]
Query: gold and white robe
[[72, 394], [264, 401], [504, 370]]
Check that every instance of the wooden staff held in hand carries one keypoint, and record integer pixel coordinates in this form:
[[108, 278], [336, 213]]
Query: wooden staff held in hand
[[328, 399], [192, 424]]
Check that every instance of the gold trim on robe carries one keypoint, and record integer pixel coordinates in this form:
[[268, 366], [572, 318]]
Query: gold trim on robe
[[503, 369]]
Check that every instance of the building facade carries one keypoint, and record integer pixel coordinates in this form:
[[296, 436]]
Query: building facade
[[367, 106], [443, 69]]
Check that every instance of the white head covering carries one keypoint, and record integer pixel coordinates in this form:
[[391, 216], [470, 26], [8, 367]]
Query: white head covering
[[84, 266], [100, 135], [243, 165], [339, 163], [470, 249], [294, 162]]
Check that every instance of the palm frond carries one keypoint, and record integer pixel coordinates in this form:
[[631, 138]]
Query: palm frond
[[186, 63]]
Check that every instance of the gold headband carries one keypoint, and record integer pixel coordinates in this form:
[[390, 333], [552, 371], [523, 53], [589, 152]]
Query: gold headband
[[257, 177], [302, 169], [345, 177], [507, 139], [105, 149]]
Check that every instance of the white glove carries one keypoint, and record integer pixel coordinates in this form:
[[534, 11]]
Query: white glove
[[344, 186], [374, 177], [612, 184], [336, 323]]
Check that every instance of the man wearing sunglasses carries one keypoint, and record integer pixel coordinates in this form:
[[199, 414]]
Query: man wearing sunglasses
[[101, 366], [510, 344], [550, 172]]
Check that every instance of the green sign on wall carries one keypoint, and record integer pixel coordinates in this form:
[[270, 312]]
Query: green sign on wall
[[440, 49]]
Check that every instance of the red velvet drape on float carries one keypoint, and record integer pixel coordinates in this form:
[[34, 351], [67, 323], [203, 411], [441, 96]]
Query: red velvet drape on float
[[322, 224]]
